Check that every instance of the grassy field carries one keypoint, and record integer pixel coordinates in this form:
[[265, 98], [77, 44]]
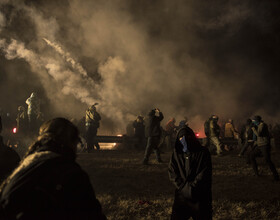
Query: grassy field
[[129, 190]]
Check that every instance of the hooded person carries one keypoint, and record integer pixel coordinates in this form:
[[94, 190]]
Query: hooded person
[[48, 183], [190, 170]]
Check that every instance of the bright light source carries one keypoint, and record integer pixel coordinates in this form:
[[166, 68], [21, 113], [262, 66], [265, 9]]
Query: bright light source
[[119, 135], [14, 130], [197, 135]]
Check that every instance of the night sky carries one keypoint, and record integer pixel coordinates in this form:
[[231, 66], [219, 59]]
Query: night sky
[[188, 58]]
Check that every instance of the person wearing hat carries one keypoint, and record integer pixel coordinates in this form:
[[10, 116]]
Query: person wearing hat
[[190, 170], [263, 146], [48, 183]]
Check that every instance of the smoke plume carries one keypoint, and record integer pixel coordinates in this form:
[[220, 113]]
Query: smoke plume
[[188, 58]]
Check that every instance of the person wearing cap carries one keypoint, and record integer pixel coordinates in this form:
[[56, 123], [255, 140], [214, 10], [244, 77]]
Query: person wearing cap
[[48, 183], [190, 170], [263, 147], [92, 124]]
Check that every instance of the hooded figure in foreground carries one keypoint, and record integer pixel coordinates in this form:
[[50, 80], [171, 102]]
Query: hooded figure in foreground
[[190, 170], [48, 183]]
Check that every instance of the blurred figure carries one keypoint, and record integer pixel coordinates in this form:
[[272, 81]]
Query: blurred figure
[[246, 137], [130, 129], [263, 146], [22, 120], [1, 124], [139, 131], [49, 184], [212, 132], [33, 111], [230, 133], [276, 135], [183, 123], [9, 160], [153, 133], [190, 170], [170, 129], [92, 125]]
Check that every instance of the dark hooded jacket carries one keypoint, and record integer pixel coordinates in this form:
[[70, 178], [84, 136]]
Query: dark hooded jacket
[[153, 128], [191, 173], [9, 160], [49, 184]]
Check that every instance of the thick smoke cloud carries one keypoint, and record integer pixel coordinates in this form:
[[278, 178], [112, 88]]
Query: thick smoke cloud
[[189, 58]]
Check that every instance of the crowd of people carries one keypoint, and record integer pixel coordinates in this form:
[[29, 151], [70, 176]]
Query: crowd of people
[[58, 188]]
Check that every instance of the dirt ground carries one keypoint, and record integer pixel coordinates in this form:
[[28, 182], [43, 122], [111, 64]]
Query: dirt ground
[[129, 190]]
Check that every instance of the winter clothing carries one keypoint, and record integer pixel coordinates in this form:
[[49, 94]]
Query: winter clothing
[[191, 173], [92, 124], [9, 160], [49, 185], [153, 124], [153, 132], [262, 133], [139, 129], [263, 148], [229, 130], [247, 137], [139, 132]]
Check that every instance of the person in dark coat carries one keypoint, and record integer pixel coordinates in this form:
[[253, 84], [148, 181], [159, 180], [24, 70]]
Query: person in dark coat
[[0, 124], [190, 170], [9, 160], [246, 137], [92, 124], [153, 133], [48, 183], [263, 147], [139, 131]]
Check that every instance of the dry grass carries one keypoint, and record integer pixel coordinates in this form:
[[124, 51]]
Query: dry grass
[[129, 190]]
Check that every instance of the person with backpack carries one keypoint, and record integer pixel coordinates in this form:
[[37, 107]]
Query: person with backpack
[[92, 124]]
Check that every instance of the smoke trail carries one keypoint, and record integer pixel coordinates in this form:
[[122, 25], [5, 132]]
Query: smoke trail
[[75, 65], [72, 84]]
